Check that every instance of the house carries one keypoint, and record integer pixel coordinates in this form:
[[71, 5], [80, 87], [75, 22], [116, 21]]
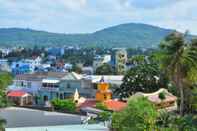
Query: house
[[87, 70], [32, 83], [20, 68], [20, 98], [167, 102], [33, 63], [65, 87], [4, 65]]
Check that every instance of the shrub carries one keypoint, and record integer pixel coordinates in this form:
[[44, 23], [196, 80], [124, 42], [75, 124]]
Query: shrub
[[162, 96], [64, 105], [101, 106]]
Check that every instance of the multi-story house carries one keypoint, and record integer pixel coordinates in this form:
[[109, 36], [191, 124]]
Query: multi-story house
[[65, 87], [32, 83]]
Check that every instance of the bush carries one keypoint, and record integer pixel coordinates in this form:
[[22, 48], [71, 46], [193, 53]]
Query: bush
[[101, 106], [64, 105], [139, 115], [162, 96]]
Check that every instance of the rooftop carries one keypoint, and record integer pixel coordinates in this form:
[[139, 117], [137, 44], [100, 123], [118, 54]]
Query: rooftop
[[40, 76], [17, 94], [22, 117], [115, 105]]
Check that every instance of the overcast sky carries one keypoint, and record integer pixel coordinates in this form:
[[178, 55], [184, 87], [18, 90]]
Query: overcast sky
[[80, 16]]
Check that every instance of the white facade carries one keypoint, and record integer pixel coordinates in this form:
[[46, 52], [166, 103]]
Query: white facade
[[99, 60], [30, 86]]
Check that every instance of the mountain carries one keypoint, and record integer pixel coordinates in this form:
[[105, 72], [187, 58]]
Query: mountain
[[124, 35]]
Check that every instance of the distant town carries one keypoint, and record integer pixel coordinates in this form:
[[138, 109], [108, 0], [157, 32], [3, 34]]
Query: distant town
[[84, 87], [98, 65]]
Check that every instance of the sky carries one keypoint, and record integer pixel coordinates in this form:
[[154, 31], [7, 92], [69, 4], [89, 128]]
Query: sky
[[85, 16]]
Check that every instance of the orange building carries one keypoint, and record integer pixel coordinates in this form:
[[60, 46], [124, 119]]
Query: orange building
[[103, 93]]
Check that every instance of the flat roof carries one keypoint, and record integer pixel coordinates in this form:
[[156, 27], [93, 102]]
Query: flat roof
[[22, 117]]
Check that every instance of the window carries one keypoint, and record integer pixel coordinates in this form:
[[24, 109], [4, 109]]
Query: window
[[68, 85], [22, 83], [28, 84]]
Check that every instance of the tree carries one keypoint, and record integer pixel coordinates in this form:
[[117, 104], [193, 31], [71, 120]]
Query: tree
[[142, 78], [138, 59], [77, 69], [104, 69], [5, 80], [64, 105], [104, 116], [101, 106], [178, 57], [2, 124], [139, 115]]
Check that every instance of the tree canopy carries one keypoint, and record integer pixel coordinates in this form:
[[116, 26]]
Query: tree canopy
[[5, 80], [178, 57], [104, 69], [142, 78], [139, 115]]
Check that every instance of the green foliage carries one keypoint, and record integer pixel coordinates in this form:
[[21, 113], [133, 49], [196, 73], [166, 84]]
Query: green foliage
[[5, 80], [77, 69], [178, 59], [104, 69], [64, 105], [162, 96], [126, 35], [139, 115], [137, 60], [142, 78], [185, 123], [193, 100], [101, 106], [104, 116], [2, 124]]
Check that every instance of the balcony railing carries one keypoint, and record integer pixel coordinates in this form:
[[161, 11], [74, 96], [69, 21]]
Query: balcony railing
[[49, 88]]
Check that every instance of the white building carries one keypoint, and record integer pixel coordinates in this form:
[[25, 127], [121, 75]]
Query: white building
[[99, 60]]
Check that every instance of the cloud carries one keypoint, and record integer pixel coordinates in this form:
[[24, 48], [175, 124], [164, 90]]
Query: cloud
[[74, 16], [151, 4]]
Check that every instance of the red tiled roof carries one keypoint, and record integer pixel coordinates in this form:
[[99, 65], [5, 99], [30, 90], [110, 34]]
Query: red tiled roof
[[115, 105], [16, 94]]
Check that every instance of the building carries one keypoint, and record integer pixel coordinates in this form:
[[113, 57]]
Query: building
[[20, 98], [65, 87], [4, 65], [32, 83], [20, 68], [120, 61], [100, 60], [168, 102], [103, 93]]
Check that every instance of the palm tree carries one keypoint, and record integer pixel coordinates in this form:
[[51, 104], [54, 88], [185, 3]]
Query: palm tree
[[178, 57]]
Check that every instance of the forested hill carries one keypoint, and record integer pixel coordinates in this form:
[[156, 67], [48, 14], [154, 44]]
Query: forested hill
[[124, 35]]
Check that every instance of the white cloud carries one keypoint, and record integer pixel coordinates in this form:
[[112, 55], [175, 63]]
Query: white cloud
[[91, 15]]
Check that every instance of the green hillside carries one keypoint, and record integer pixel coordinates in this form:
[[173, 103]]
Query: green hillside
[[125, 35]]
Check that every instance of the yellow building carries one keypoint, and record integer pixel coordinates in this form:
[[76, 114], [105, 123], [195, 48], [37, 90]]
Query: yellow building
[[103, 93]]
